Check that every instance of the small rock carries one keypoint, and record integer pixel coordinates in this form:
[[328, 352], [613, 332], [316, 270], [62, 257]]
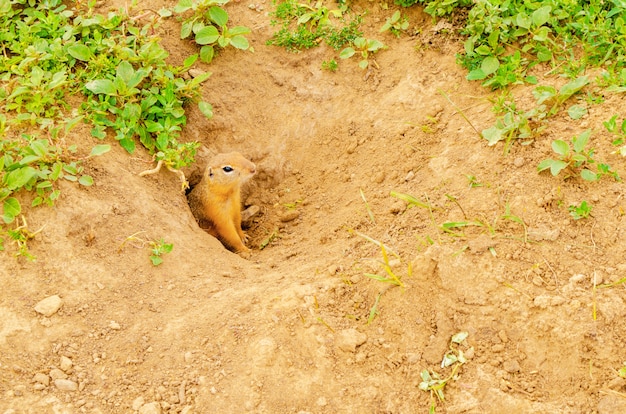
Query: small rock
[[543, 233], [409, 176], [289, 216], [138, 403], [196, 72], [115, 326], [542, 301], [188, 357], [518, 162], [150, 408], [322, 402], [65, 364], [56, 373], [349, 339], [511, 366], [332, 270], [49, 306], [611, 404], [65, 385], [41, 378], [398, 207], [379, 177], [616, 383]]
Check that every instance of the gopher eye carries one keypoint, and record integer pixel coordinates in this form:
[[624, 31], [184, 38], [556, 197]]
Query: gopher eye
[[227, 168]]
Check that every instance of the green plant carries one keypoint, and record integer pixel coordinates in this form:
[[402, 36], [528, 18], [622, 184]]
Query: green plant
[[363, 47], [32, 164], [581, 211], [158, 249], [432, 381], [619, 132], [304, 26], [576, 160], [208, 24], [391, 277], [21, 236], [330, 65], [396, 24]]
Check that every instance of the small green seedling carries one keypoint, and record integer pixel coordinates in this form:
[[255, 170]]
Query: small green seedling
[[21, 236], [330, 65], [365, 48], [581, 211], [553, 98], [575, 160], [619, 132], [431, 381], [159, 248], [473, 181], [622, 371], [396, 24], [374, 310]]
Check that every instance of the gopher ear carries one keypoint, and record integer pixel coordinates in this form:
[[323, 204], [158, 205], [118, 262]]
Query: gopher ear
[[210, 172]]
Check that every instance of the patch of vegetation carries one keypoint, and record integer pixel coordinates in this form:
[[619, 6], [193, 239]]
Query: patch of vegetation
[[208, 25], [433, 382], [158, 248], [364, 48], [303, 26], [618, 132], [396, 24], [581, 211], [575, 160], [108, 65]]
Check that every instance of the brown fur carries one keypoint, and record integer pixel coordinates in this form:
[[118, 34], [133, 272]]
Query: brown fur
[[216, 200]]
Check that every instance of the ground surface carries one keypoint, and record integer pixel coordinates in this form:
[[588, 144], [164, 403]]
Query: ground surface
[[287, 331]]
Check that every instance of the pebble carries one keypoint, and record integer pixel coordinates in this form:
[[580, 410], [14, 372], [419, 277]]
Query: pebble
[[49, 306], [65, 364], [56, 373], [289, 216], [115, 326], [511, 366], [41, 378], [349, 339], [150, 408], [65, 385], [409, 176], [138, 403]]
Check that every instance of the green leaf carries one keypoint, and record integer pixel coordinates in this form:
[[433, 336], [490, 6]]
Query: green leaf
[[156, 260], [541, 35], [347, 53], [490, 65], [580, 142], [206, 54], [574, 86], [207, 35], [218, 15], [557, 166], [541, 15], [128, 144], [239, 42], [185, 29], [476, 74], [183, 6], [12, 209], [18, 178], [80, 51], [577, 111], [206, 109], [588, 175], [560, 147], [86, 180], [100, 149], [190, 61], [492, 135], [104, 86], [239, 30]]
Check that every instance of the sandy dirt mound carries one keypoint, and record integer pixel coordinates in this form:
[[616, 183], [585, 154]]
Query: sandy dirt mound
[[299, 328]]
